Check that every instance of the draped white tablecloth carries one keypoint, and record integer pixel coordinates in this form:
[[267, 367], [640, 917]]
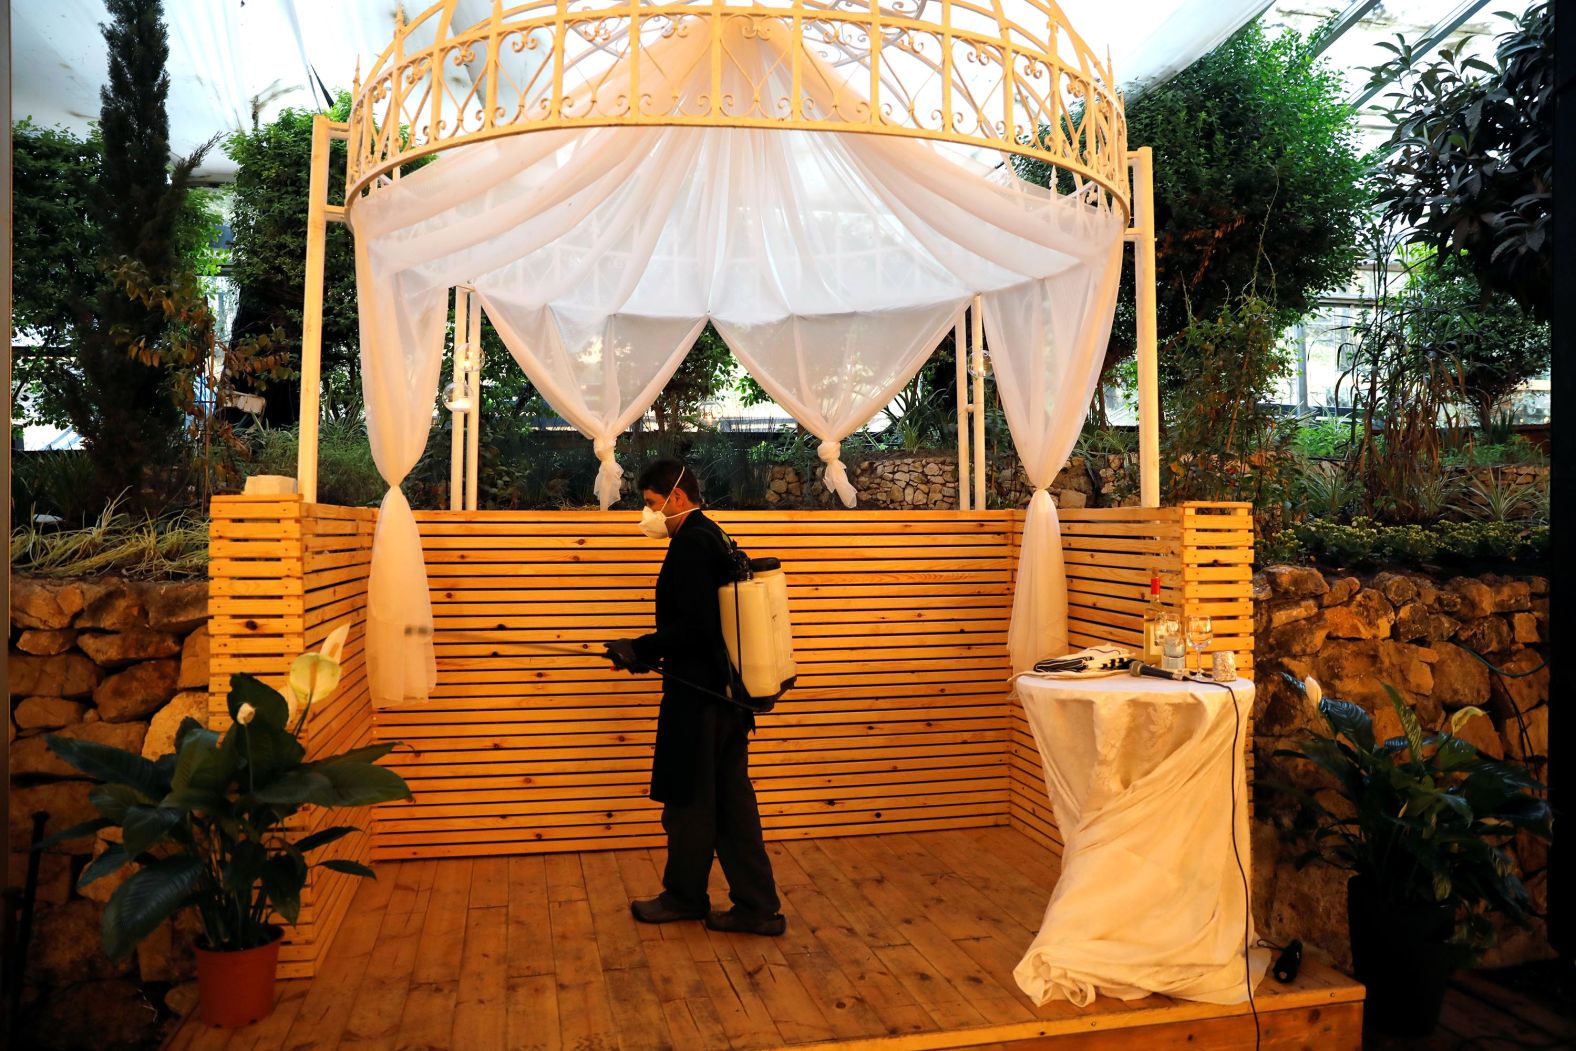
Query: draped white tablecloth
[[1141, 775]]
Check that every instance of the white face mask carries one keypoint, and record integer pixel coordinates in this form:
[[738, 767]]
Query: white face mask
[[654, 523]]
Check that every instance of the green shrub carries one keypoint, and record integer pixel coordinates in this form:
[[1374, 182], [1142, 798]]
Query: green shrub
[[1328, 488], [346, 473], [1365, 544], [53, 482], [1324, 437]]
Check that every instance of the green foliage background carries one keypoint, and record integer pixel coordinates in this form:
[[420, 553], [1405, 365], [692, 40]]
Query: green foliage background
[[1257, 187]]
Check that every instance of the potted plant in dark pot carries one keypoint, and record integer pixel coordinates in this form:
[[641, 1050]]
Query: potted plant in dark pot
[[205, 827], [1421, 822]]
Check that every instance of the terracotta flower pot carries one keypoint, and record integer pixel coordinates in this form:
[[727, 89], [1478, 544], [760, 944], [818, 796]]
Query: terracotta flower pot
[[235, 987]]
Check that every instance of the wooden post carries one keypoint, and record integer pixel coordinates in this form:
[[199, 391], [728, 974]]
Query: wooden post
[[312, 312], [978, 328], [1142, 234], [458, 417], [960, 352], [473, 384]]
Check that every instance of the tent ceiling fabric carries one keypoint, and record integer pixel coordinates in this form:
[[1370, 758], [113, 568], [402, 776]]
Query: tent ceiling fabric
[[831, 263], [227, 56]]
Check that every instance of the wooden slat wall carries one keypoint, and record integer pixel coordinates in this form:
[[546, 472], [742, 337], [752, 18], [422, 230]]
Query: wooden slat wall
[[282, 575], [899, 721], [1204, 552]]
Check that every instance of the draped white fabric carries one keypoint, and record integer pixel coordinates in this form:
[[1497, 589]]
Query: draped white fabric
[[399, 372], [1152, 803], [832, 264], [1047, 358]]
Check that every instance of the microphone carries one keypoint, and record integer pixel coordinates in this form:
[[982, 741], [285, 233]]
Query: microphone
[[1288, 963], [1139, 668]]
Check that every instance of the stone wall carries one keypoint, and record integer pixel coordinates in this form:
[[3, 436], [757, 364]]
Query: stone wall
[[930, 482], [1533, 474], [121, 663], [1354, 634]]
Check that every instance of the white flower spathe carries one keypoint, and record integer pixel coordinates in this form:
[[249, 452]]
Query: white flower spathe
[[1462, 717], [1315, 692], [314, 676], [245, 714]]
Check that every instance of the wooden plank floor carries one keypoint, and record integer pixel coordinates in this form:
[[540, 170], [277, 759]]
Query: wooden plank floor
[[899, 941]]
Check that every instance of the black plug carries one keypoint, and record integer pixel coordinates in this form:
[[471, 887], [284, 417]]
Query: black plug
[[1288, 963]]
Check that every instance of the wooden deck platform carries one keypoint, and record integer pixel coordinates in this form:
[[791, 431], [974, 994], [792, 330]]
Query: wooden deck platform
[[895, 942]]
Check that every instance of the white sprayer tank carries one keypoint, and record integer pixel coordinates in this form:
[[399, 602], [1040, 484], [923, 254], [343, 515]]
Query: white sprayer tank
[[755, 626]]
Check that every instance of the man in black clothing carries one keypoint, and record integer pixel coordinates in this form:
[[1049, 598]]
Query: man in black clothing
[[700, 772]]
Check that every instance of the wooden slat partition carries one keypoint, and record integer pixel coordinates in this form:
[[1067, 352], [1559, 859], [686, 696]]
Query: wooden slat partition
[[282, 575], [1204, 553], [898, 722]]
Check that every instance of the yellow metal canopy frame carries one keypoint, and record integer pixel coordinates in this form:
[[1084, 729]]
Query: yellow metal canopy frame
[[1002, 75], [1010, 76]]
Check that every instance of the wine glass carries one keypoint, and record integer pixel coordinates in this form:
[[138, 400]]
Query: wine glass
[[1200, 630], [1169, 634]]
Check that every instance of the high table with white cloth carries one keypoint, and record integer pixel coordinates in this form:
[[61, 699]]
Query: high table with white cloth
[[1146, 777]]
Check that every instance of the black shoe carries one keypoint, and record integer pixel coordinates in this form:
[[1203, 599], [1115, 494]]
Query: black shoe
[[652, 910], [735, 922]]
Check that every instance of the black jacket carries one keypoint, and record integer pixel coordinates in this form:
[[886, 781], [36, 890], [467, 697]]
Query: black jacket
[[686, 645]]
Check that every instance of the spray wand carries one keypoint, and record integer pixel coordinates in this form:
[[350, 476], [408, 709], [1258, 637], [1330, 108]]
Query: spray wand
[[516, 648]]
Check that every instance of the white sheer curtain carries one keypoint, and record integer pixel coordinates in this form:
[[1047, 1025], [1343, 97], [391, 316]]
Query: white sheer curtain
[[832, 264], [1047, 355], [400, 359]]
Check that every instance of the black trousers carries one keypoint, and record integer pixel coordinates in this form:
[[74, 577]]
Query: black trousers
[[721, 820]]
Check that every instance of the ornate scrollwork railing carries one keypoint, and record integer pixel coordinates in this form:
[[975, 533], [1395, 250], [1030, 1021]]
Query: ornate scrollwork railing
[[1008, 75]]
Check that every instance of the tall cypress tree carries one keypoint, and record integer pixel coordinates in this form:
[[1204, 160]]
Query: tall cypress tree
[[119, 398]]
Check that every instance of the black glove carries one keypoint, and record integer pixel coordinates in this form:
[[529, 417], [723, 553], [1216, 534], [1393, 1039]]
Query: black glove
[[622, 653]]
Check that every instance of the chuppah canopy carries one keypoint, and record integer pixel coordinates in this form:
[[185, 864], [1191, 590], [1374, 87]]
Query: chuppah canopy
[[831, 262]]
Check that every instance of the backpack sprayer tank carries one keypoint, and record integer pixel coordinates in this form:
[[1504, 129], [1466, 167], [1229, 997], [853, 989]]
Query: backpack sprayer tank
[[756, 629]]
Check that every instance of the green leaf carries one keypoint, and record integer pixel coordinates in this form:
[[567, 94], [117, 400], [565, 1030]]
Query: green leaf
[[269, 749], [145, 825], [352, 868], [363, 784], [188, 724], [283, 877], [1455, 754], [114, 800], [147, 899], [323, 837], [86, 828], [371, 753], [245, 866], [1350, 720], [343, 784], [112, 765], [215, 769], [297, 788], [112, 860], [270, 706], [197, 747], [194, 799], [1409, 723]]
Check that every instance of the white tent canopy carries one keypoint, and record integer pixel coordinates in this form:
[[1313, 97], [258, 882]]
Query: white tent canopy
[[227, 56], [831, 263]]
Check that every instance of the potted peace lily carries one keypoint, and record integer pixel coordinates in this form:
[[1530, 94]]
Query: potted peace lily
[[205, 828], [1421, 821]]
